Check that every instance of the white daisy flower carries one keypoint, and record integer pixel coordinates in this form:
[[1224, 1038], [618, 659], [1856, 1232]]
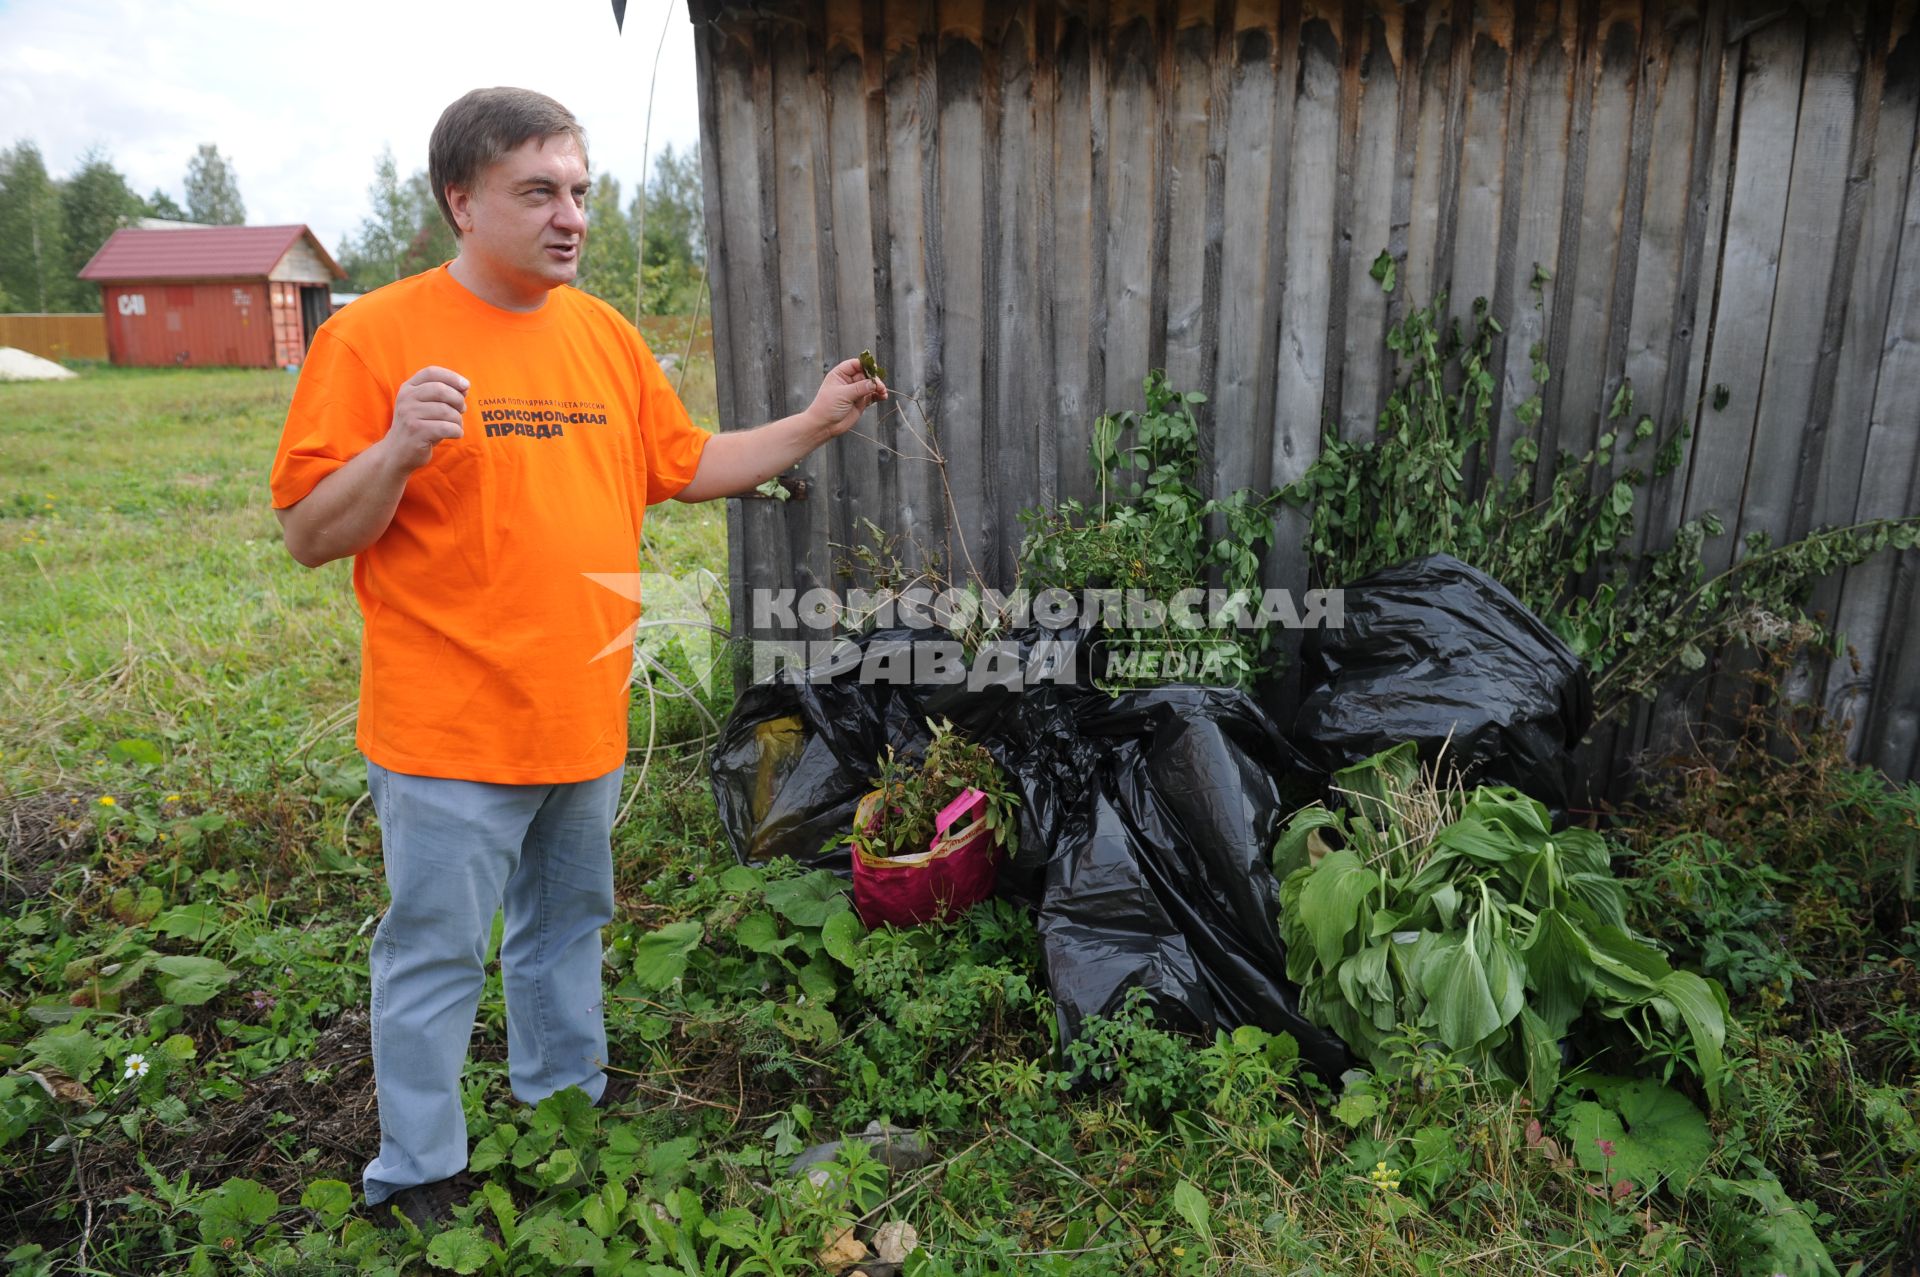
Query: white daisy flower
[[136, 1066]]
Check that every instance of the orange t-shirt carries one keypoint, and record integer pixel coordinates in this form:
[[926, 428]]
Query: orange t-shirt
[[477, 658]]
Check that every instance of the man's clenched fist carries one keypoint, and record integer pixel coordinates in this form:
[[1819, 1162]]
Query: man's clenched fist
[[427, 410]]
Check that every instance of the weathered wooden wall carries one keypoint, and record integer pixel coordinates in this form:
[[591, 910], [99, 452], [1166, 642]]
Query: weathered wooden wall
[[1022, 207]]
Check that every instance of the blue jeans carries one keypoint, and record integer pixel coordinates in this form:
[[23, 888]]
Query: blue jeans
[[456, 851]]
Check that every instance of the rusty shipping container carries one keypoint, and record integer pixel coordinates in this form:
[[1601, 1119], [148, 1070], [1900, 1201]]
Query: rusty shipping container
[[228, 296]]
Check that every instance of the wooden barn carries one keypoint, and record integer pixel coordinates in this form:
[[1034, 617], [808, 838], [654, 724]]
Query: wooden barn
[[233, 296], [1024, 206]]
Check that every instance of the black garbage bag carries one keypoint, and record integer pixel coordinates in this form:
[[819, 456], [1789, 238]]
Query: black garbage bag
[[1147, 821], [1441, 654]]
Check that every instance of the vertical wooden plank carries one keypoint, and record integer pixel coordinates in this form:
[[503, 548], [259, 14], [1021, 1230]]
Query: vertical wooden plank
[[1598, 165], [1483, 149], [957, 220], [804, 300], [1631, 41], [1877, 606], [1672, 87], [746, 324], [1658, 307], [1248, 276], [1856, 599], [1808, 246], [1429, 148], [709, 70], [1133, 141], [885, 505], [1772, 60], [1756, 215], [851, 180], [1788, 437], [1663, 723], [1078, 382], [1361, 351], [1540, 190], [1015, 302], [913, 350], [1187, 162], [1312, 159], [1044, 395]]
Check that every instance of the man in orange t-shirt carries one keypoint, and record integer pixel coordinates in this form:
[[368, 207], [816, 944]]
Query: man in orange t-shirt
[[481, 438]]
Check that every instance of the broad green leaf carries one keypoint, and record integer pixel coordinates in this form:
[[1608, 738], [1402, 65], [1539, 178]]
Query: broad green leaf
[[1330, 903], [817, 979], [189, 980], [1703, 1005], [235, 1209], [1459, 1003], [1541, 1046], [732, 1227], [196, 921], [841, 934], [492, 1149], [560, 1169], [330, 1199], [1478, 840], [72, 1050], [1781, 1233], [1559, 970], [1294, 849], [1194, 1208], [1603, 894], [500, 1202], [1364, 983], [759, 933], [142, 753], [569, 1113], [1368, 784], [660, 956], [460, 1250], [1356, 1107], [742, 880], [1626, 967], [560, 1243], [1655, 1132], [1506, 976], [1506, 807], [807, 901]]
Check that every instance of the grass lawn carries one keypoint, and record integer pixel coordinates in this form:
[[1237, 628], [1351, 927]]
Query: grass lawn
[[189, 873]]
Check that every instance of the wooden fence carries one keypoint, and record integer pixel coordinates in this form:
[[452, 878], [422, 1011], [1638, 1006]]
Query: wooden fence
[[1022, 207], [56, 336]]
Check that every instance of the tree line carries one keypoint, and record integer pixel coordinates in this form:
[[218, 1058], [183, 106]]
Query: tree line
[[643, 256], [49, 229]]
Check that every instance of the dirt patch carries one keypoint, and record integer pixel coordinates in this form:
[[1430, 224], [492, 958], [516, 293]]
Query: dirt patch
[[39, 837]]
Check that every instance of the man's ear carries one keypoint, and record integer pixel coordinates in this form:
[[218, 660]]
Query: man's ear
[[460, 201]]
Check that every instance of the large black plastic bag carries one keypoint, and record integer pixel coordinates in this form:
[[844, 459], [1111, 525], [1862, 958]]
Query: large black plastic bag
[[1439, 653], [1147, 821]]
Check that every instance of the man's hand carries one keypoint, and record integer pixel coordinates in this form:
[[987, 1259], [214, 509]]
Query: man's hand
[[427, 410], [844, 395], [350, 509], [735, 462]]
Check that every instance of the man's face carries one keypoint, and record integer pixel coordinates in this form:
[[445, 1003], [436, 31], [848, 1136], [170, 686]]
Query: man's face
[[526, 215]]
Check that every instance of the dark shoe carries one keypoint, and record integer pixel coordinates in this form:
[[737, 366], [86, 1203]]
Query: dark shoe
[[620, 1089], [429, 1206]]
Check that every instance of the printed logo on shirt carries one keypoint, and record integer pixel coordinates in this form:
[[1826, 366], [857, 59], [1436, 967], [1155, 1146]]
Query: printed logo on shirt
[[538, 418]]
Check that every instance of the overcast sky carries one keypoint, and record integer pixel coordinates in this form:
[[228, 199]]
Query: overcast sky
[[302, 99]]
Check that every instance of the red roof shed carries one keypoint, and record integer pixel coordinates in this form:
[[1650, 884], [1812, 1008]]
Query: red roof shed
[[239, 296]]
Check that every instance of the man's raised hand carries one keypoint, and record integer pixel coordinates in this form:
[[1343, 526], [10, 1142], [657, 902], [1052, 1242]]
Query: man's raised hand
[[427, 410], [844, 395]]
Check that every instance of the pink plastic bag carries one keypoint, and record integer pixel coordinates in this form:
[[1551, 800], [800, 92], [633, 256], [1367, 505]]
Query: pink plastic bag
[[954, 874]]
